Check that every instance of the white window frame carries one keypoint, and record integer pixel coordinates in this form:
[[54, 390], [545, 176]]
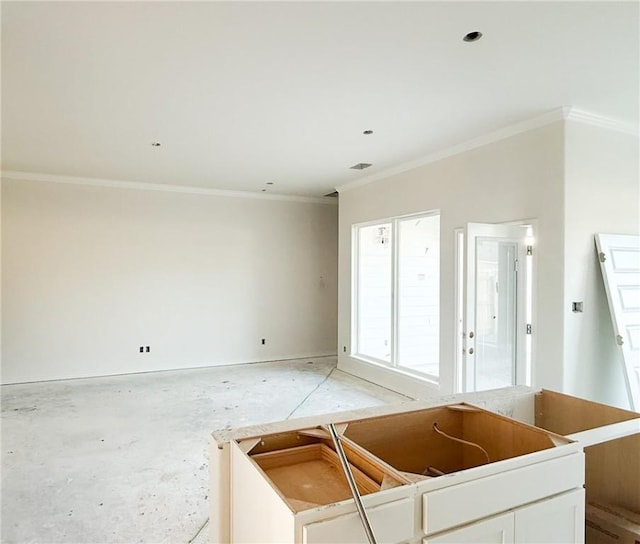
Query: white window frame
[[355, 293]]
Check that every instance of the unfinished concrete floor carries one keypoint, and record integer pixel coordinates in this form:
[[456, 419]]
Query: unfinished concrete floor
[[124, 459]]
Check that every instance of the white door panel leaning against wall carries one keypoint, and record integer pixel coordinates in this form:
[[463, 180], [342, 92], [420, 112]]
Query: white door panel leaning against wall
[[619, 257]]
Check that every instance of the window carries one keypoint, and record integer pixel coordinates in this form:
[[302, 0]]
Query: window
[[396, 293]]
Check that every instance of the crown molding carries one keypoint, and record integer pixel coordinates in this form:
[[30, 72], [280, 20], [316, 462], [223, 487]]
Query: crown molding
[[588, 118], [546, 119], [564, 113], [143, 186]]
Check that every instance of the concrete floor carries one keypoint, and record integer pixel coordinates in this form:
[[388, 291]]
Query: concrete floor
[[125, 459]]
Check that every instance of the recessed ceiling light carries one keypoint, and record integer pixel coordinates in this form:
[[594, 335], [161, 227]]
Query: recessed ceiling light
[[360, 166], [155, 144], [368, 132], [263, 190], [269, 182], [472, 36]]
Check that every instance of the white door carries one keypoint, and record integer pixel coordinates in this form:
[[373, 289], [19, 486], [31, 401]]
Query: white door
[[494, 315], [620, 263]]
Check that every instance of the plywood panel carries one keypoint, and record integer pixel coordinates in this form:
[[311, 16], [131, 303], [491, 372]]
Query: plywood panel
[[564, 414], [609, 525], [502, 438], [281, 441], [380, 472], [408, 442], [613, 473], [311, 475], [612, 468]]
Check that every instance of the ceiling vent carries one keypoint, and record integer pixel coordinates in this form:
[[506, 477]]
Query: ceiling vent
[[360, 166]]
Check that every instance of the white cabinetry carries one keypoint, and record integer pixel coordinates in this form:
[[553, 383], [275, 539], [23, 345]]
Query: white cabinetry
[[289, 487], [391, 522], [558, 520], [483, 497], [495, 530], [501, 481]]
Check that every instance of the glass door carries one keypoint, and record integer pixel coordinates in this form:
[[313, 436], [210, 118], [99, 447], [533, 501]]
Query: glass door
[[494, 327]]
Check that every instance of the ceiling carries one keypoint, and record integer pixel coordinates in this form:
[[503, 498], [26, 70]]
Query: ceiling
[[239, 94]]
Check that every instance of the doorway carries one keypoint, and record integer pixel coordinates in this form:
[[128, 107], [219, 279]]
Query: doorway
[[494, 264]]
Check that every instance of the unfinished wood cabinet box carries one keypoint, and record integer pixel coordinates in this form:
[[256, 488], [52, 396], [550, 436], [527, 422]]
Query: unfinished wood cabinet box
[[611, 440], [303, 480], [482, 454], [305, 470], [502, 480]]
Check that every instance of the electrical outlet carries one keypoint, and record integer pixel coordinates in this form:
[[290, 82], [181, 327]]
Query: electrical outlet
[[344, 349], [141, 349], [264, 341], [147, 349]]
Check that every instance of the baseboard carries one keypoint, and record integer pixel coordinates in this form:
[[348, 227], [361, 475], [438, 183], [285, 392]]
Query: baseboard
[[60, 377]]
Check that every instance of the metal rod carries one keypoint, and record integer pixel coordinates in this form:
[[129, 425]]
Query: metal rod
[[352, 484]]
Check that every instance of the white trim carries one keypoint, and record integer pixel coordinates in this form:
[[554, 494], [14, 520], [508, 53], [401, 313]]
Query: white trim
[[198, 366], [458, 314], [414, 386], [565, 113], [400, 217], [592, 437], [588, 118], [143, 186]]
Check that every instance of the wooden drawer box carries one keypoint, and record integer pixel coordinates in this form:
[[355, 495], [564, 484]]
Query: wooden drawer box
[[303, 476], [311, 476]]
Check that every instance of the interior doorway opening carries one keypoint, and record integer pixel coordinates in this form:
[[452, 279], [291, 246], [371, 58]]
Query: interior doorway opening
[[494, 305]]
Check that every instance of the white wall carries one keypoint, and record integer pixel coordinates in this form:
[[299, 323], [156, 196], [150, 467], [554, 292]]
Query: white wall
[[602, 195], [91, 273], [516, 178]]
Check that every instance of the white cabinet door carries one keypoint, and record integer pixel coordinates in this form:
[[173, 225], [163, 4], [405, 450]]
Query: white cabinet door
[[497, 530], [559, 520]]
